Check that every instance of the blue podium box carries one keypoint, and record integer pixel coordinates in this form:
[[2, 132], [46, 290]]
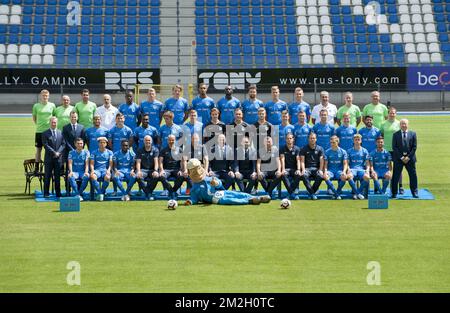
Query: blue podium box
[[378, 201], [69, 204]]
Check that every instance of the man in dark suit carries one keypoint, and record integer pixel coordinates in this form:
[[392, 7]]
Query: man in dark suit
[[404, 145], [54, 145]]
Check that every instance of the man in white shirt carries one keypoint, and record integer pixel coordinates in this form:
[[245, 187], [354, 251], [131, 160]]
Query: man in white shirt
[[324, 104], [107, 112]]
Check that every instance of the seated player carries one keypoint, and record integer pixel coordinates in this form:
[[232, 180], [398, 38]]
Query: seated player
[[290, 166], [311, 165], [78, 168], [359, 168], [219, 162], [380, 166], [335, 167], [244, 166], [171, 166], [101, 165], [268, 166], [123, 161], [207, 189], [147, 165]]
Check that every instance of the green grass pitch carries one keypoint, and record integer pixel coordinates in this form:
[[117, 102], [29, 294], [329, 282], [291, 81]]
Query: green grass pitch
[[321, 246]]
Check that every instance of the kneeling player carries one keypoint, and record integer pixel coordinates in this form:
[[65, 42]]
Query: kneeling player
[[170, 166], [78, 166], [380, 166], [208, 189], [335, 167], [147, 167], [359, 168], [123, 161], [101, 164]]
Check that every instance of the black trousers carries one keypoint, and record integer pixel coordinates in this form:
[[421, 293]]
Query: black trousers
[[398, 168], [269, 188], [291, 186], [250, 182], [311, 173], [179, 179], [52, 168]]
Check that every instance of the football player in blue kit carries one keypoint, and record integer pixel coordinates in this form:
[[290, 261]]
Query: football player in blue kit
[[94, 132], [203, 104], [226, 105], [131, 111], [298, 106], [324, 131], [275, 107], [359, 168], [251, 105], [335, 167], [369, 134], [301, 130], [78, 168], [380, 166], [100, 166], [345, 132], [123, 165], [178, 105], [119, 133], [154, 108]]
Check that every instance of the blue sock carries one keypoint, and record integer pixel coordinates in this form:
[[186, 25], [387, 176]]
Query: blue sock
[[377, 186], [74, 186], [363, 187], [341, 185], [330, 186], [119, 185], [353, 186], [104, 186], [130, 184], [385, 185], [84, 183], [96, 186]]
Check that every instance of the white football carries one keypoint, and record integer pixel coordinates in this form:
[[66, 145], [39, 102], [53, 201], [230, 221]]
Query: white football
[[172, 204], [285, 204]]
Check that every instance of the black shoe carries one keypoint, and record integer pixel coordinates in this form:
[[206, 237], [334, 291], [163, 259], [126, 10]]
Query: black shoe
[[394, 196], [415, 195], [46, 196], [401, 191]]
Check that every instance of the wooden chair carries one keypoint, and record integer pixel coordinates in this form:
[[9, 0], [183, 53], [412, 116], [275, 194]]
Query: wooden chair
[[33, 169]]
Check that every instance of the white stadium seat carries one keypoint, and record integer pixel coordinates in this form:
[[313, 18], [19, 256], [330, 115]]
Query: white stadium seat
[[36, 59], [329, 59], [316, 49], [346, 2], [358, 10], [432, 37], [305, 59], [402, 1], [318, 59], [12, 49], [434, 47], [395, 29], [406, 28], [323, 11], [24, 49], [36, 49], [383, 28], [2, 59], [4, 19], [436, 58], [410, 48], [356, 2], [326, 30], [314, 30], [327, 39], [430, 28], [24, 59], [302, 20], [311, 2], [419, 38], [418, 28], [312, 11], [422, 48], [415, 9], [426, 8], [424, 58], [408, 37], [14, 19], [328, 49], [305, 49], [2, 48], [313, 20], [304, 40], [301, 11], [416, 18], [16, 9], [428, 18], [303, 30], [413, 58], [405, 19], [4, 9], [403, 9], [48, 59], [11, 59], [322, 2], [397, 38], [315, 39], [49, 49], [325, 20]]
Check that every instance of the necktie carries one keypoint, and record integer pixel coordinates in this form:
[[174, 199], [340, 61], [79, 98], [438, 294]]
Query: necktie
[[73, 129], [404, 139], [54, 134]]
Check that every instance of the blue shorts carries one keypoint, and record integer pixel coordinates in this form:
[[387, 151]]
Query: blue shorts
[[78, 175], [334, 175], [123, 176], [358, 174], [381, 173], [100, 174]]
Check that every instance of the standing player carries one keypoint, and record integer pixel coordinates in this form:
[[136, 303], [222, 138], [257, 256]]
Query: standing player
[[78, 168], [42, 111], [345, 132], [324, 105], [263, 129], [95, 132], [193, 125], [244, 166], [147, 167], [203, 104], [376, 109], [251, 105], [311, 165], [63, 112], [335, 167], [170, 129], [301, 130], [101, 166], [275, 107], [359, 168], [298, 106], [131, 111], [171, 166], [380, 166], [268, 166], [290, 166], [123, 162], [177, 105], [350, 108], [119, 133], [85, 109], [391, 126], [107, 112], [323, 130], [369, 134], [227, 105], [154, 108], [214, 128], [145, 129], [284, 128]]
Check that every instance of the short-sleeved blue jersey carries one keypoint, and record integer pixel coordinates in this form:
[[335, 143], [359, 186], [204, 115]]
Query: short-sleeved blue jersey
[[195, 128], [301, 134], [140, 132], [250, 110], [116, 135], [179, 107], [123, 161], [345, 135], [380, 160], [226, 108], [369, 138], [357, 158], [101, 159], [273, 110], [324, 133], [296, 107], [203, 107], [78, 160], [165, 131], [92, 133], [131, 113], [335, 159], [284, 130], [154, 110]]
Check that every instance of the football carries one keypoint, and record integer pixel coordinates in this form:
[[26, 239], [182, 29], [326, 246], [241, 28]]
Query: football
[[285, 204], [172, 204]]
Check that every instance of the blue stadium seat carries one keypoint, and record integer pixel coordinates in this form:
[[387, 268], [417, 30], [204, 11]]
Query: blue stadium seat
[[95, 59], [85, 40], [337, 29], [349, 29], [245, 30], [363, 48], [360, 29], [235, 40], [224, 60], [84, 49], [26, 39], [364, 58], [269, 40], [279, 30], [248, 59], [335, 19], [201, 60], [60, 39], [97, 29], [443, 37], [376, 58], [259, 59], [386, 48], [257, 40], [155, 59], [388, 58], [290, 10], [257, 30], [373, 38], [292, 39], [212, 59], [281, 50], [347, 19], [212, 30], [211, 40], [258, 50], [84, 59], [223, 40], [398, 47], [349, 38], [280, 40], [200, 50], [374, 48], [236, 49], [361, 39], [59, 50], [393, 19], [351, 48], [131, 59], [334, 10], [268, 30], [339, 48], [131, 40], [96, 40], [246, 40], [270, 59], [340, 58], [60, 59], [338, 39], [359, 19], [212, 50], [73, 40], [234, 30], [108, 49]]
